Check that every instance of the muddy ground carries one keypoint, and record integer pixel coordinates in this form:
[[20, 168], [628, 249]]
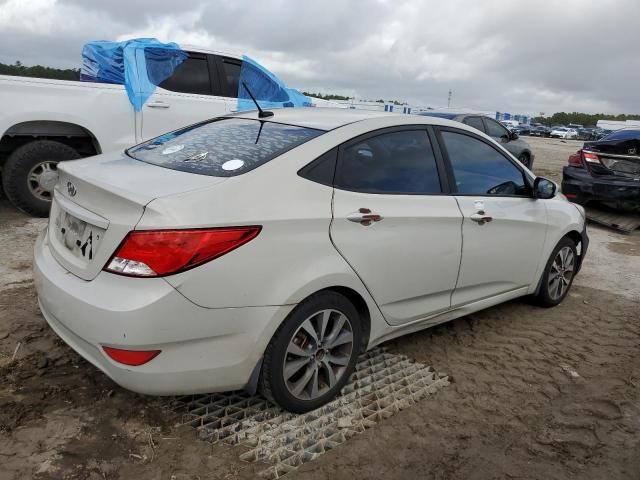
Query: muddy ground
[[537, 393]]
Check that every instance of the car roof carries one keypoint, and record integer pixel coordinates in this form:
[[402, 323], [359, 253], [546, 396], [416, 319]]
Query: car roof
[[447, 115], [320, 118], [198, 49]]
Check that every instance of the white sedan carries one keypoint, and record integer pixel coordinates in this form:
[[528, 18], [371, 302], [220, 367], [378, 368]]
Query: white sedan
[[266, 252], [566, 133]]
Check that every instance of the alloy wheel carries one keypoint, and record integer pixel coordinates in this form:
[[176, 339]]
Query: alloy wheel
[[561, 273], [42, 178], [318, 354]]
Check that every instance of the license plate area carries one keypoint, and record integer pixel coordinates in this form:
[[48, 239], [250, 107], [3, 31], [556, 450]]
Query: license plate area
[[79, 238]]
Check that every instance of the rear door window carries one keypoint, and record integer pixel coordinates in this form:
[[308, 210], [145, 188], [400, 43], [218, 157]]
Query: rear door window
[[222, 147], [400, 162]]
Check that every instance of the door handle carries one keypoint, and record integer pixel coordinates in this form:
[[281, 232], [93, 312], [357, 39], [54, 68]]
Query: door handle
[[158, 104], [481, 218], [364, 216]]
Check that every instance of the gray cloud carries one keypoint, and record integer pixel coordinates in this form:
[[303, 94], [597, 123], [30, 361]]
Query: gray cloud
[[496, 54]]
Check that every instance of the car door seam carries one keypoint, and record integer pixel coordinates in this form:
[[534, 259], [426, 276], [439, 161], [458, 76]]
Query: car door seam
[[461, 251], [333, 193]]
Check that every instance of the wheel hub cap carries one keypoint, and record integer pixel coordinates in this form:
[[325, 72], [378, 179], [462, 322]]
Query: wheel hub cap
[[561, 273], [318, 354], [42, 178]]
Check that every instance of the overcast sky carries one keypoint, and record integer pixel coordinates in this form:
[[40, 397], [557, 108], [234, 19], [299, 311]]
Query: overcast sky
[[518, 56]]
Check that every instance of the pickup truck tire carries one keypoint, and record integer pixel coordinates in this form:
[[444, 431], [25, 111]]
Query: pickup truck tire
[[30, 172]]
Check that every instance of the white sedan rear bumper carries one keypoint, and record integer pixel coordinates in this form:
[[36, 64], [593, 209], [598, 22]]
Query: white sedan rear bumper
[[202, 349]]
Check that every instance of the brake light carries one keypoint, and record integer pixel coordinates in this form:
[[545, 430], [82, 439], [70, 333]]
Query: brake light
[[575, 160], [134, 358], [590, 157], [156, 253]]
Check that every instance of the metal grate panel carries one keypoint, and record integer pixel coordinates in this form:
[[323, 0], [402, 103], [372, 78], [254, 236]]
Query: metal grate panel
[[382, 384]]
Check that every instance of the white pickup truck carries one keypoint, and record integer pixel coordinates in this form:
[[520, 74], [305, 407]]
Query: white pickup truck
[[45, 121]]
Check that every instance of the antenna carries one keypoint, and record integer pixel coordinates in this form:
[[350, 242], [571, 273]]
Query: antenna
[[261, 113]]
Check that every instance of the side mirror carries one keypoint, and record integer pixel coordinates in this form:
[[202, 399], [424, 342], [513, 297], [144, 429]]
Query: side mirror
[[513, 135], [543, 188]]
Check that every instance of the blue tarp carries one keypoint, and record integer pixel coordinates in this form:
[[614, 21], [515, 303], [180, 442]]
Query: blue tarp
[[268, 89], [139, 64]]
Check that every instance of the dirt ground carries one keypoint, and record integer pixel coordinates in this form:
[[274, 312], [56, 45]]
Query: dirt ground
[[537, 393]]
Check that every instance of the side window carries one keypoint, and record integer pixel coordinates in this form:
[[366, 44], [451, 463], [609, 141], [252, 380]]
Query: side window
[[231, 75], [494, 129], [475, 122], [322, 169], [395, 162], [479, 169], [191, 76]]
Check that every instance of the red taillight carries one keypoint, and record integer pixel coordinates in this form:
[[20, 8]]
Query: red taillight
[[131, 357], [575, 159], [590, 157], [155, 253]]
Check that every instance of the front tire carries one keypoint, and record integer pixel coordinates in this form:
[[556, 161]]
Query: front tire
[[30, 173], [558, 274], [313, 353]]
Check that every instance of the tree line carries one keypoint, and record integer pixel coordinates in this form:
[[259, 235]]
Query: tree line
[[586, 119], [39, 71]]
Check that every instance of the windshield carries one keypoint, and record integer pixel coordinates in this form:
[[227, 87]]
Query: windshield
[[223, 147]]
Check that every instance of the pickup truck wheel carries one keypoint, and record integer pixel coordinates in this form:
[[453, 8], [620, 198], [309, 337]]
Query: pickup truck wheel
[[31, 172]]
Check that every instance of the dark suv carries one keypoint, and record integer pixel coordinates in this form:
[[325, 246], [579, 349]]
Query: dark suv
[[509, 140]]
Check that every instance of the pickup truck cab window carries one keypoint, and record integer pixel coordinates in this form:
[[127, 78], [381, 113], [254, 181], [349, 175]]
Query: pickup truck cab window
[[191, 76], [230, 76]]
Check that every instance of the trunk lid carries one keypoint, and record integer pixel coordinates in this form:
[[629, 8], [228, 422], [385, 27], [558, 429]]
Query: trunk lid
[[621, 157], [98, 200]]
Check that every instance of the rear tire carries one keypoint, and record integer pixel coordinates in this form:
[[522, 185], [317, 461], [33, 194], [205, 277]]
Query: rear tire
[[313, 353], [30, 173], [558, 274]]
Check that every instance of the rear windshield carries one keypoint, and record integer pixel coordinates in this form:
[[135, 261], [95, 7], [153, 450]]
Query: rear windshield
[[223, 147], [623, 135]]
